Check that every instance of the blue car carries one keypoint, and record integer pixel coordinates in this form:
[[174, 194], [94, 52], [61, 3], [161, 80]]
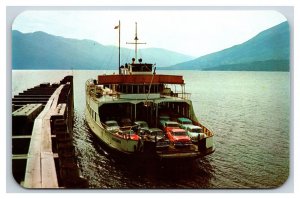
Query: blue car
[[183, 120]]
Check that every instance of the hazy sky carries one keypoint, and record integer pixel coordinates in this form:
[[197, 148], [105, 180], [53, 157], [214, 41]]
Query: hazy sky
[[193, 33]]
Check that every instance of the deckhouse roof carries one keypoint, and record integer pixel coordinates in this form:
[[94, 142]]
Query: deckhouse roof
[[140, 79]]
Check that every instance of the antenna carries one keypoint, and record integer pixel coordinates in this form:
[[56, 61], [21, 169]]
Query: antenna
[[135, 41]]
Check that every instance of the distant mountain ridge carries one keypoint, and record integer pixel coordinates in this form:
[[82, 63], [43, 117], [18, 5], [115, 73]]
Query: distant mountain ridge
[[271, 46], [40, 50]]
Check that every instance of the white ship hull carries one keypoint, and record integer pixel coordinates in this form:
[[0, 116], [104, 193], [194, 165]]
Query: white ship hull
[[127, 146], [123, 145]]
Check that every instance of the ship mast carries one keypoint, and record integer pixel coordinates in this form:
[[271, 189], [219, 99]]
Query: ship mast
[[119, 27], [135, 41]]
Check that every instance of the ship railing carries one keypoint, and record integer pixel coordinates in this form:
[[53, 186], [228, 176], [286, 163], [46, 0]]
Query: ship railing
[[186, 96], [114, 95], [97, 92], [208, 132], [205, 129]]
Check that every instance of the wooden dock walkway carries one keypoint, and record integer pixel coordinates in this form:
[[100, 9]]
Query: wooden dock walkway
[[40, 169], [42, 137]]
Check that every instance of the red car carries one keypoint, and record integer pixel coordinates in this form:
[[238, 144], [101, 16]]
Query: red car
[[179, 137], [169, 125]]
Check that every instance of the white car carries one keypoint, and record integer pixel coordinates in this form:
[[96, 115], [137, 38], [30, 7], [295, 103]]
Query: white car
[[112, 126], [194, 132], [142, 124]]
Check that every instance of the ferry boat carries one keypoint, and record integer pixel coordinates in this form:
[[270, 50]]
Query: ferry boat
[[140, 113]]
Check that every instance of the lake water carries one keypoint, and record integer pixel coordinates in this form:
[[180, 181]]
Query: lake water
[[249, 112]]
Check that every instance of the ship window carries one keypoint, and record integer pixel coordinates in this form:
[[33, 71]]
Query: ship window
[[146, 88], [152, 89], [135, 69], [141, 89], [135, 89], [142, 68]]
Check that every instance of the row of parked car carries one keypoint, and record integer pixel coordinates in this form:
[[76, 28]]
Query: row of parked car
[[181, 133], [141, 129]]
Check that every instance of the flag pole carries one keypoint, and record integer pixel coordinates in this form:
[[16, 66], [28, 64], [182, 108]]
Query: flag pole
[[119, 47]]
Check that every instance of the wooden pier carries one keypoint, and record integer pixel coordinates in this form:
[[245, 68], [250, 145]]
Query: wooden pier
[[42, 126]]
